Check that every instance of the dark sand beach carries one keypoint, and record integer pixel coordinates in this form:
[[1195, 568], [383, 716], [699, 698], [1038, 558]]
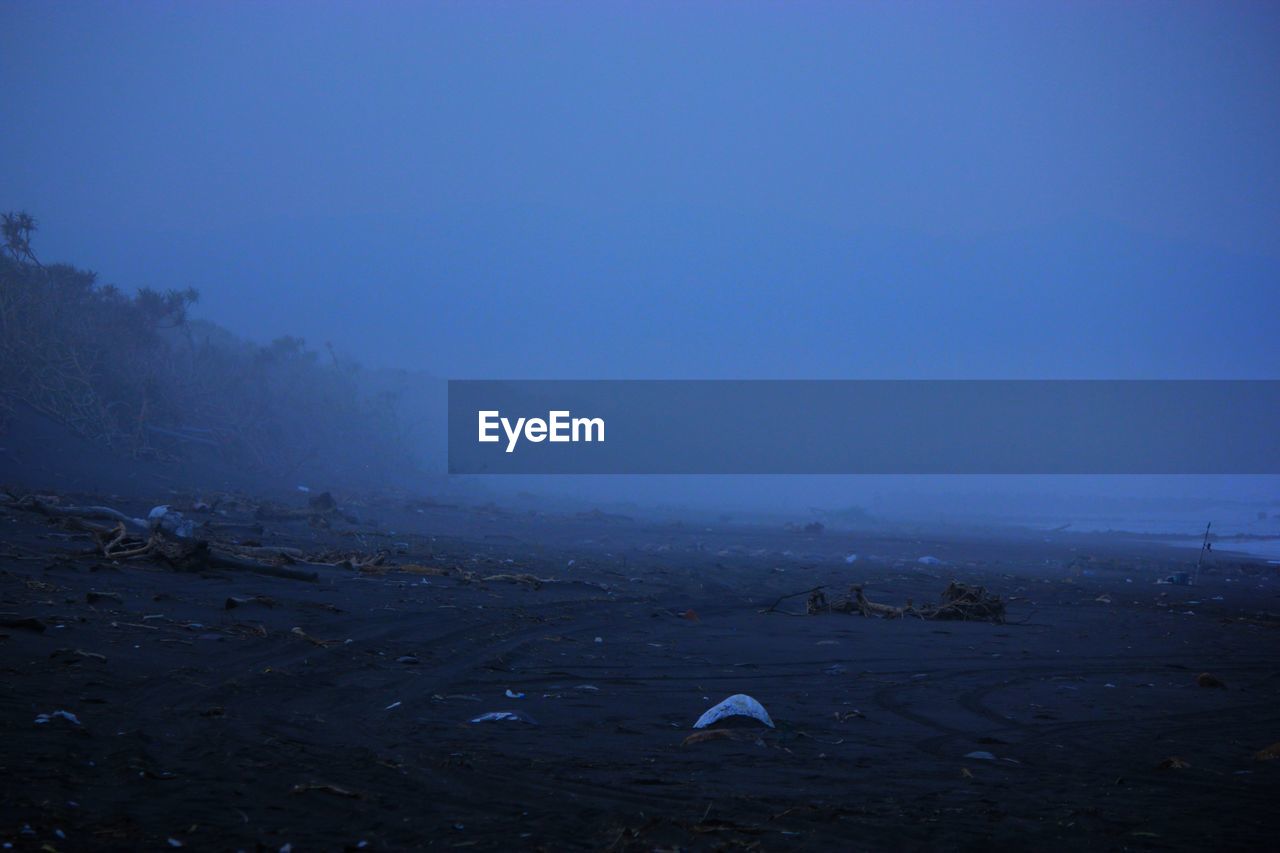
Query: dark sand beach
[[336, 714]]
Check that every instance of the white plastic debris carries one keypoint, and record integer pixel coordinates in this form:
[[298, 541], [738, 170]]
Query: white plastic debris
[[170, 521], [980, 755], [504, 716], [737, 705], [64, 715], [851, 559], [929, 561], [304, 489], [392, 706], [511, 694]]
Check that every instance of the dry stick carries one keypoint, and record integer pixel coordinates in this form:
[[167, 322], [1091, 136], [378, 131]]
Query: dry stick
[[140, 551], [773, 608], [117, 537], [1203, 547]]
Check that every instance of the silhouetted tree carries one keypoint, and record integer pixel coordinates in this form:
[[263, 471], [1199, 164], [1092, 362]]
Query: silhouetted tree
[[17, 229]]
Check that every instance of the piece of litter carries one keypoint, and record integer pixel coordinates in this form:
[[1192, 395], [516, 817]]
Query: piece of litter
[[170, 521], [392, 706], [599, 639], [173, 842], [505, 716], [65, 715], [737, 705], [851, 558], [513, 695], [980, 755], [929, 561]]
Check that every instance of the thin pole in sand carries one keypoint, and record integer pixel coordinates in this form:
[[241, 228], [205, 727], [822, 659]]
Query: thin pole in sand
[[1204, 546]]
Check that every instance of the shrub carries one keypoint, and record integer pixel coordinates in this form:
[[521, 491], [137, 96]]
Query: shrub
[[137, 374]]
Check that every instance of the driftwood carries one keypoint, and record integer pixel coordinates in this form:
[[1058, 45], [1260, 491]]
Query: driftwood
[[532, 581], [119, 542], [263, 551], [335, 560], [959, 601], [856, 603], [815, 591], [92, 513], [196, 555], [225, 560], [969, 603]]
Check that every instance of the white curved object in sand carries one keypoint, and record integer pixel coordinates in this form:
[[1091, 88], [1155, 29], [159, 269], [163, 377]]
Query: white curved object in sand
[[737, 705]]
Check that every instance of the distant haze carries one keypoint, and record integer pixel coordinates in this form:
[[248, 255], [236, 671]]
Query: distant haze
[[709, 190]]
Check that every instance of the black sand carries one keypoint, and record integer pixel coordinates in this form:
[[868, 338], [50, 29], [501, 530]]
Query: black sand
[[224, 729]]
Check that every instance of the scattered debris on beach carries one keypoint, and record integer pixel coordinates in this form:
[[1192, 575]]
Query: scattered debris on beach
[[165, 536], [170, 538], [959, 601], [112, 628]]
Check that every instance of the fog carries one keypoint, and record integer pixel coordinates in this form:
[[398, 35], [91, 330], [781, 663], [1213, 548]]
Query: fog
[[669, 191]]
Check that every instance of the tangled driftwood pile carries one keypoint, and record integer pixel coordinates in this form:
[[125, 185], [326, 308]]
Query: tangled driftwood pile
[[959, 601], [127, 538]]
